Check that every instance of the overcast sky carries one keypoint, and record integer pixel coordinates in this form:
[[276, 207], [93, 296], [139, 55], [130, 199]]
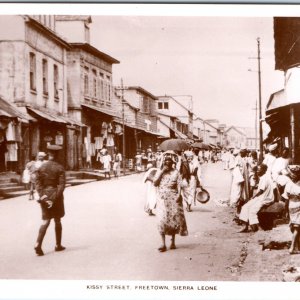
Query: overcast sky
[[206, 57]]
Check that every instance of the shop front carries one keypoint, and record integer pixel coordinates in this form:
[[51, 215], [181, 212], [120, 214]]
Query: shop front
[[14, 137], [56, 130], [100, 133], [283, 119]]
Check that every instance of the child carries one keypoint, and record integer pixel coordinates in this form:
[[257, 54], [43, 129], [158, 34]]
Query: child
[[292, 194]]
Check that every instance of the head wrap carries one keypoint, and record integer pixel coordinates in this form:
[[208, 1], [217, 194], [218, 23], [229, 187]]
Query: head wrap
[[188, 153], [272, 147]]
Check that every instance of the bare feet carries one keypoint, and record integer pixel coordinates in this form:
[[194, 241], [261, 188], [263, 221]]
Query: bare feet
[[294, 251], [162, 249], [245, 229], [173, 246]]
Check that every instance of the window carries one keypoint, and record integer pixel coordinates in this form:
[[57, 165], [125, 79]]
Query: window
[[160, 105], [94, 84], [45, 76], [32, 74], [102, 89], [86, 82], [55, 81], [109, 92], [166, 105]]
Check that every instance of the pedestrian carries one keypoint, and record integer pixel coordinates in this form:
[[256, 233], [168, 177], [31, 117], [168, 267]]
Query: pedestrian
[[144, 160], [138, 161], [32, 167], [106, 159], [169, 209], [191, 176], [263, 197], [117, 162], [150, 191], [253, 178], [50, 184], [292, 193]]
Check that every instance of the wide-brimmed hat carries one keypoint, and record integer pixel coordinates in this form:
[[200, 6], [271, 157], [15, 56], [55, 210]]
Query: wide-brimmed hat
[[42, 154], [54, 147], [202, 196]]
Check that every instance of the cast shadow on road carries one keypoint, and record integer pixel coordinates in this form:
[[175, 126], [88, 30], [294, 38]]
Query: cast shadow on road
[[200, 209]]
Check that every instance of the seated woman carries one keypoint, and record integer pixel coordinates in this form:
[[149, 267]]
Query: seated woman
[[292, 193], [264, 196], [169, 208]]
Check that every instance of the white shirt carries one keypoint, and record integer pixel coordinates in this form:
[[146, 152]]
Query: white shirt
[[279, 164], [266, 185]]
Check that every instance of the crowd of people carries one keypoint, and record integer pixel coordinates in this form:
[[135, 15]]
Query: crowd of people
[[175, 178], [256, 186], [174, 181]]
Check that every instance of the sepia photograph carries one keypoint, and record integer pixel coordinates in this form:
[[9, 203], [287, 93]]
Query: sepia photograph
[[149, 151]]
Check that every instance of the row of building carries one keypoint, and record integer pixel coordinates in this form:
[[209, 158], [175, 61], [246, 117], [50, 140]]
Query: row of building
[[56, 88]]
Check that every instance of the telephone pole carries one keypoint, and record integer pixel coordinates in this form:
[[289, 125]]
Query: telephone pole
[[259, 103], [123, 123]]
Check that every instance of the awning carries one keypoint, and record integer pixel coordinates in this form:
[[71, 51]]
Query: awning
[[102, 110], [55, 118], [177, 133], [47, 116], [120, 121], [277, 100], [10, 111]]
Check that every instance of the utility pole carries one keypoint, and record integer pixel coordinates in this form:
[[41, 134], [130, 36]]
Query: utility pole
[[259, 104], [255, 126], [123, 123]]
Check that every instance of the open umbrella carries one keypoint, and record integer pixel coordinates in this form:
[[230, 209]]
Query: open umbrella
[[200, 145], [174, 144]]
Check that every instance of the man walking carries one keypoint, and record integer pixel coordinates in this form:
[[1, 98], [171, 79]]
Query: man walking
[[50, 185]]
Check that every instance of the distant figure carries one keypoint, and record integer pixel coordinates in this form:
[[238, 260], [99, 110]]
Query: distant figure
[[138, 161], [117, 163], [32, 167], [151, 191], [106, 159], [50, 184]]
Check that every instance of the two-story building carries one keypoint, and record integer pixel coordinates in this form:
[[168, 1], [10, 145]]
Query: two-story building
[[90, 91], [180, 117], [33, 72], [143, 125]]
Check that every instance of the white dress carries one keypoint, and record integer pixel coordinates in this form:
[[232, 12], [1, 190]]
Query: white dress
[[252, 207], [150, 203]]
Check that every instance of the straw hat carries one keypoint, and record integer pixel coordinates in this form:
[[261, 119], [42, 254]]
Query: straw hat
[[202, 196]]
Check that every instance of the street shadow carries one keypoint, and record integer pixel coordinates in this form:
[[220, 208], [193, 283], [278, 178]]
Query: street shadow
[[200, 209]]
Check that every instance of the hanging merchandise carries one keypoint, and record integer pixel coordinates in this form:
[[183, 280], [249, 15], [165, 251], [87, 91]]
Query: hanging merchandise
[[104, 130], [109, 128], [93, 149], [59, 139], [98, 142], [12, 152], [10, 132], [18, 133], [110, 140], [118, 129]]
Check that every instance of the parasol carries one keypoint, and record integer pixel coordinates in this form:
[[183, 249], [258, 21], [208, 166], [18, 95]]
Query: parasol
[[174, 144], [200, 146]]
